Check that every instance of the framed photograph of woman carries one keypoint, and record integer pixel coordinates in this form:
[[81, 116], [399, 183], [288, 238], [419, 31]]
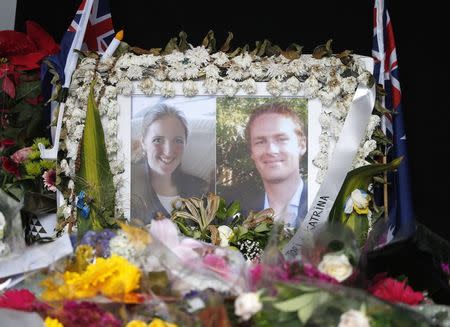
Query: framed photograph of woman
[[172, 152]]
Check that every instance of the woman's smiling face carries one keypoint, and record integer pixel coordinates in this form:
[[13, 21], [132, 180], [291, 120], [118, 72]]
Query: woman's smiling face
[[164, 143]]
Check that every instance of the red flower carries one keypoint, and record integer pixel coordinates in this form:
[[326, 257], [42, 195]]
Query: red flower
[[22, 300], [25, 51], [10, 79], [21, 155], [85, 314], [10, 166], [6, 143], [392, 290]]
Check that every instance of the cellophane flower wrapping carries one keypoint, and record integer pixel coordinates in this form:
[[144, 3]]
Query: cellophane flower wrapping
[[193, 265], [12, 238]]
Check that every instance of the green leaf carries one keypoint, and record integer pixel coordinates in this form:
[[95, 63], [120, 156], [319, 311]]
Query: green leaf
[[298, 302], [261, 228], [95, 177], [357, 179], [28, 90], [234, 208]]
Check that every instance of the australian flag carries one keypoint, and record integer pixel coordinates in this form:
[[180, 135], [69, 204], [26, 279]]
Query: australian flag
[[401, 215], [97, 36]]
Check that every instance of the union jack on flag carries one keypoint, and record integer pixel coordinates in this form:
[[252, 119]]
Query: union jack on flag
[[401, 214], [100, 30]]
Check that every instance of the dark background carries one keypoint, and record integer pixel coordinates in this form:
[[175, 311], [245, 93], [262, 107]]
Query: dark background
[[423, 63]]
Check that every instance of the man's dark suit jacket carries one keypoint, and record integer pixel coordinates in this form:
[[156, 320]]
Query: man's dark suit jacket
[[252, 198]]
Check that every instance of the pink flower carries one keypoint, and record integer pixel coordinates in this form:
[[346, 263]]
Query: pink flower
[[49, 177], [216, 263], [314, 273], [22, 300], [21, 155]]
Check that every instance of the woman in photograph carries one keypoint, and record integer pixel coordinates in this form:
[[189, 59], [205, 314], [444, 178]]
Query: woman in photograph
[[158, 179]]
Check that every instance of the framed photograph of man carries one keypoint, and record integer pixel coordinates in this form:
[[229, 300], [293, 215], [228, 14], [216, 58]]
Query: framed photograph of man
[[173, 152], [262, 154]]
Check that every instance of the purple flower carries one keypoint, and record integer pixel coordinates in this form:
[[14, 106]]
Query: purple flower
[[445, 268], [99, 241]]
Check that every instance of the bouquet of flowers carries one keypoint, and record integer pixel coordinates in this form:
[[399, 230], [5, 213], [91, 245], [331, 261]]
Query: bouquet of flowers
[[209, 219]]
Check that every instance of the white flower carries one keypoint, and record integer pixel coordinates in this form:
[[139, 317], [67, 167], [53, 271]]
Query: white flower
[[110, 91], [220, 58], [191, 71], [298, 67], [212, 71], [249, 86], [368, 147], [78, 133], [310, 87], [235, 72], [72, 148], [353, 318], [167, 89], [257, 70], [71, 185], [211, 85], [246, 305], [198, 55], [321, 160], [175, 57], [160, 74], [358, 201], [244, 60], [176, 72], [364, 78], [336, 265], [276, 70], [190, 88], [147, 86], [134, 72], [373, 123], [146, 60], [67, 211], [275, 87], [225, 234], [292, 85], [125, 87], [64, 167], [229, 87], [349, 84], [324, 120]]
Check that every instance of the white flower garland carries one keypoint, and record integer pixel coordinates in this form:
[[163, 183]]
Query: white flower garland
[[327, 79]]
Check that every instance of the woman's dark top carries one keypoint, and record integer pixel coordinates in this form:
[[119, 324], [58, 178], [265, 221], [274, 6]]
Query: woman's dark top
[[144, 200]]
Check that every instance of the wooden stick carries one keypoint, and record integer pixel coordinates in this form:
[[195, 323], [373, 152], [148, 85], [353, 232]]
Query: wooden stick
[[385, 192]]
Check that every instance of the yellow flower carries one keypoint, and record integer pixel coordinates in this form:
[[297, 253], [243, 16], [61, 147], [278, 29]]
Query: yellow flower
[[49, 322], [136, 323], [113, 276], [160, 323]]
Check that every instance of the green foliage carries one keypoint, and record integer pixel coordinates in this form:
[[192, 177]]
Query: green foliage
[[95, 177], [234, 165], [357, 179]]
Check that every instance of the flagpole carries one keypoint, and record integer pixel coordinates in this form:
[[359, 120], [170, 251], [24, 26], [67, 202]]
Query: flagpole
[[69, 68]]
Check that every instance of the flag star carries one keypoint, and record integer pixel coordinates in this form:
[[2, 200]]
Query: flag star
[[403, 137]]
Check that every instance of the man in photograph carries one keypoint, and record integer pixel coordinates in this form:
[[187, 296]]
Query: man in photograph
[[277, 143]]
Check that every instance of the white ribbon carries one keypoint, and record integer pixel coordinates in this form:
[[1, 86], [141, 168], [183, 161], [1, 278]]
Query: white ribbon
[[352, 133]]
